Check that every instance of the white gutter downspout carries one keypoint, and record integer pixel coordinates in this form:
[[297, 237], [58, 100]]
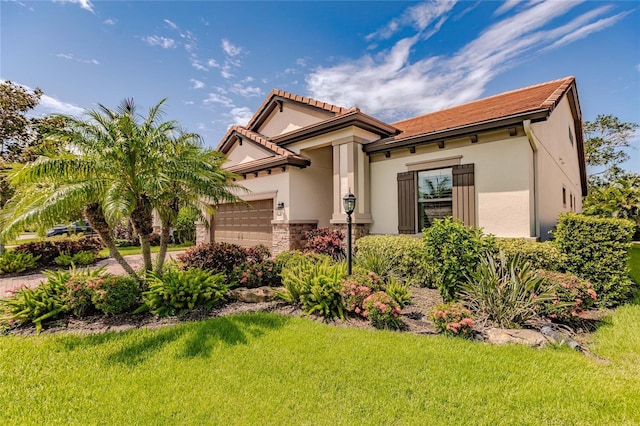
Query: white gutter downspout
[[534, 148]]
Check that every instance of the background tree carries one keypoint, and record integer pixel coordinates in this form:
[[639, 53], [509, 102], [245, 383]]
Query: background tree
[[613, 191]]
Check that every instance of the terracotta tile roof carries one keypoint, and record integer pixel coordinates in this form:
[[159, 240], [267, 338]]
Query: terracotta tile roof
[[296, 98], [528, 99], [257, 138]]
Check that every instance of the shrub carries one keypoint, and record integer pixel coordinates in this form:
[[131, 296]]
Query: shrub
[[175, 291], [456, 250], [545, 255], [49, 250], [15, 261], [185, 226], [507, 292], [399, 255], [290, 258], [353, 295], [214, 257], [154, 239], [382, 312], [252, 274], [258, 253], [82, 258], [45, 302], [571, 297], [326, 241], [452, 319], [114, 295], [316, 286], [596, 249], [78, 294], [399, 292]]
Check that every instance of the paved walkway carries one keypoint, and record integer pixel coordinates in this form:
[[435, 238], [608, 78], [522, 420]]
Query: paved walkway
[[33, 280]]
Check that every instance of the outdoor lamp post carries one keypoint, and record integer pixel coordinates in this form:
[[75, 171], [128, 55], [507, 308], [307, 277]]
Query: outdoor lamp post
[[349, 203]]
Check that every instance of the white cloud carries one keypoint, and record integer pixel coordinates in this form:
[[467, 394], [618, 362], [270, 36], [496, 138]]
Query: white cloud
[[240, 115], [51, 105], [164, 42], [85, 4], [110, 21], [195, 62], [230, 49], [171, 24], [69, 56], [584, 31], [197, 84], [638, 67], [301, 62], [226, 74], [246, 91], [212, 63], [419, 16], [188, 102], [216, 98], [393, 85], [506, 6]]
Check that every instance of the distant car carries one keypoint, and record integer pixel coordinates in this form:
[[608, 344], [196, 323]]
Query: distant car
[[72, 228]]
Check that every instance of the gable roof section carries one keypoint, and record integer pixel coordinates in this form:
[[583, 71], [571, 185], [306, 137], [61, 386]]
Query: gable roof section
[[276, 95], [281, 156], [541, 97]]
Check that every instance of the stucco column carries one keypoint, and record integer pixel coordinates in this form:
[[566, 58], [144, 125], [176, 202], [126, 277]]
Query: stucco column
[[350, 171]]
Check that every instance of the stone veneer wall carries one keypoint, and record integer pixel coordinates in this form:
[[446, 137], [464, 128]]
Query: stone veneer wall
[[289, 236], [202, 233]]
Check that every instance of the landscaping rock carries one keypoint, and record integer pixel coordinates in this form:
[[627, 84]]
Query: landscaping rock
[[252, 295], [503, 336]]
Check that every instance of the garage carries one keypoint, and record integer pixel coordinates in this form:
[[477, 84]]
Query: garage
[[246, 224]]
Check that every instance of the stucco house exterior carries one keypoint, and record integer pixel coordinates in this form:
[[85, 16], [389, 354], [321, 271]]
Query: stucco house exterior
[[509, 163]]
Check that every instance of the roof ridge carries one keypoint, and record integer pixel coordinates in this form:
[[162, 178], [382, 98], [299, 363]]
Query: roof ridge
[[568, 80], [264, 141]]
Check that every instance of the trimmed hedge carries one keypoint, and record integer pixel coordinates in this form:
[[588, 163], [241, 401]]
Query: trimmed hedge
[[409, 261], [544, 255], [49, 250], [596, 249]]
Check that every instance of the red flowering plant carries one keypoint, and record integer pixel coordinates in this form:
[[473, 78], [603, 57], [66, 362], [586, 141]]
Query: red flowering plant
[[354, 295], [452, 319], [80, 290], [382, 311], [572, 296], [256, 274]]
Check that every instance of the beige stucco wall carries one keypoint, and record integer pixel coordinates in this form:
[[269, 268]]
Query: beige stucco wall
[[311, 189], [275, 185], [502, 182], [244, 153], [557, 166], [292, 117]]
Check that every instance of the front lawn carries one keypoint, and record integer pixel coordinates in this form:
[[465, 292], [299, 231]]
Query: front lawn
[[126, 251], [269, 369]]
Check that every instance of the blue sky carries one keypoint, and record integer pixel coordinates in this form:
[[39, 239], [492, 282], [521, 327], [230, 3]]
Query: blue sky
[[216, 61]]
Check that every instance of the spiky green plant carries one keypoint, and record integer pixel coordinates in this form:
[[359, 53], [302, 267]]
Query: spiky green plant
[[507, 292]]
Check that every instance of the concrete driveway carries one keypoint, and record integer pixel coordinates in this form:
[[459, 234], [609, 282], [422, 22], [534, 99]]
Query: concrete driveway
[[33, 280]]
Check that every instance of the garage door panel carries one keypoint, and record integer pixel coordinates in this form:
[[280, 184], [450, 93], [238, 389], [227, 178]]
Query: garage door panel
[[245, 224]]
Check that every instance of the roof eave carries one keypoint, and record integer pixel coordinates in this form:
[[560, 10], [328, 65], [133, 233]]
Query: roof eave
[[242, 169], [384, 145]]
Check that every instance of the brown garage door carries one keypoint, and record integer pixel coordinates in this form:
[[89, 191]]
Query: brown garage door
[[246, 224]]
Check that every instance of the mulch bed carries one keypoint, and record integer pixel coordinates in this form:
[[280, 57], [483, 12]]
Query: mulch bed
[[414, 316]]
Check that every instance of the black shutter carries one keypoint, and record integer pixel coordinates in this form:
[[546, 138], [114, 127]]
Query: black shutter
[[464, 194], [406, 203]]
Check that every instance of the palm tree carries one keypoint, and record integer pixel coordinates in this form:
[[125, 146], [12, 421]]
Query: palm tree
[[117, 164]]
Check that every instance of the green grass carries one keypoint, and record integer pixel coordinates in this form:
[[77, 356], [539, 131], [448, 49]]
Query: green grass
[[268, 369], [634, 263], [126, 251]]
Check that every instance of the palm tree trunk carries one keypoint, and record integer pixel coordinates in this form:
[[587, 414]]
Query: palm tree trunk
[[142, 221], [93, 214], [165, 234]]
